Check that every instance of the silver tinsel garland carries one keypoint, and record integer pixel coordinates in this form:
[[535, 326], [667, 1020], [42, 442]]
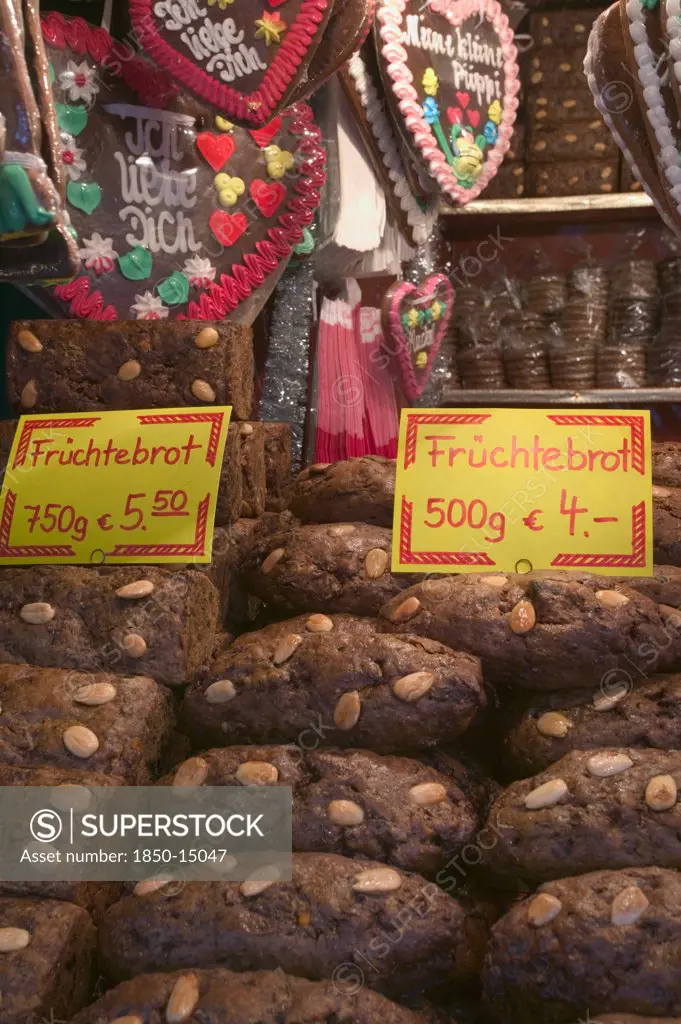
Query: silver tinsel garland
[[285, 384]]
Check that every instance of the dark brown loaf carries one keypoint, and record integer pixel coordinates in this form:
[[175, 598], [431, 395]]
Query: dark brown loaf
[[581, 961], [277, 465], [667, 525], [342, 567], [253, 472], [78, 368], [41, 707], [522, 627], [540, 729], [282, 681], [263, 997], [356, 490], [356, 803], [49, 976], [572, 178], [167, 635], [579, 140], [92, 896], [306, 927], [562, 28], [606, 808], [666, 457]]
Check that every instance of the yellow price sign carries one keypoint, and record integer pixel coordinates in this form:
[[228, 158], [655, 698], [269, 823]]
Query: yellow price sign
[[480, 490], [131, 486]]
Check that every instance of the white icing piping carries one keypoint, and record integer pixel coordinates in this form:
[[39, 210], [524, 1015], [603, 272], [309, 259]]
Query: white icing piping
[[652, 94], [420, 222], [34, 163], [605, 114], [150, 113]]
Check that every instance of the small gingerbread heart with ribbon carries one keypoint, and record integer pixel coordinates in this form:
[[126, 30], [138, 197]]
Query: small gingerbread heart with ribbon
[[417, 318]]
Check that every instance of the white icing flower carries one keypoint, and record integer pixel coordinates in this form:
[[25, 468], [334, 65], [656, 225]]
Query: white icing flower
[[78, 82], [72, 157], [200, 271], [149, 307], [98, 254]]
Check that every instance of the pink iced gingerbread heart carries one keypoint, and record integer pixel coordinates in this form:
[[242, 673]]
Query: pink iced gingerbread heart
[[417, 318], [439, 100]]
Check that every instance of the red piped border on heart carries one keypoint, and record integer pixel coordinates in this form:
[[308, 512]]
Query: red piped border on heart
[[223, 297], [255, 108], [414, 381], [390, 18]]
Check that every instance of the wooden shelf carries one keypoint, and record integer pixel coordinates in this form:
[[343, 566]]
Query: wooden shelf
[[526, 215], [512, 398]]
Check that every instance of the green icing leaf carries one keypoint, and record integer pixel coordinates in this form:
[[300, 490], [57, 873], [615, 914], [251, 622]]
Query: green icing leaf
[[19, 206], [71, 119], [50, 71], [305, 245], [136, 264], [174, 290], [84, 195]]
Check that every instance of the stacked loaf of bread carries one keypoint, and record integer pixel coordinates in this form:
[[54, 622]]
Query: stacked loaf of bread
[[570, 150], [393, 706]]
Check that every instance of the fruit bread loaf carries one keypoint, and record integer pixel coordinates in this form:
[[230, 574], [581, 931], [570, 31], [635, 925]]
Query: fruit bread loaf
[[342, 567], [540, 631], [328, 915], [541, 728], [581, 140], [562, 28], [47, 951], [277, 465], [253, 472], [356, 490], [667, 525], [352, 802], [666, 458], [608, 808], [51, 717], [596, 943], [261, 997], [92, 896], [109, 619], [83, 366], [357, 687], [573, 177]]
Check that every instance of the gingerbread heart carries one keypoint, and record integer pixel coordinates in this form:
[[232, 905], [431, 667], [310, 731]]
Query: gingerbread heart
[[244, 59], [417, 318], [427, 52], [215, 149], [170, 237]]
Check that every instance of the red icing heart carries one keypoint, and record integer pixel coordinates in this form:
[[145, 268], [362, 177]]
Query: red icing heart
[[464, 98], [227, 227], [215, 149], [263, 136], [400, 300], [268, 198], [473, 117], [455, 115]]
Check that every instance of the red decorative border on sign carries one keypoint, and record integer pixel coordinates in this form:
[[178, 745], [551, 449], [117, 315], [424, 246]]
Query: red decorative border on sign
[[635, 560], [410, 557], [184, 550], [214, 418], [32, 550], [635, 424], [447, 418], [31, 425]]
